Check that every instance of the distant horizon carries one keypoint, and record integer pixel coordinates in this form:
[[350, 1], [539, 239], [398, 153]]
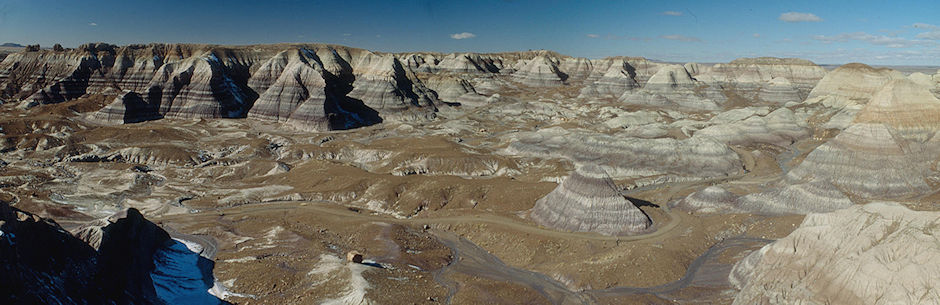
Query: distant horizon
[[49, 47], [906, 32]]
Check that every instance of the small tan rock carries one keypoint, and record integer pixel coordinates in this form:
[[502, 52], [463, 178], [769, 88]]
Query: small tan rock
[[354, 256]]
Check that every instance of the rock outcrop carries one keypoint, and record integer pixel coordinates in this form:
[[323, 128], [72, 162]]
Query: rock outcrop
[[780, 91], [128, 107], [692, 158], [802, 198], [612, 84], [454, 89], [589, 201], [319, 87], [905, 106], [108, 261], [850, 84], [673, 87], [886, 152], [41, 263], [750, 74], [780, 127], [795, 198], [540, 71], [878, 253]]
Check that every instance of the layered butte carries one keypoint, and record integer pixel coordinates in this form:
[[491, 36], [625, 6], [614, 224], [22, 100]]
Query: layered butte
[[887, 152], [589, 201]]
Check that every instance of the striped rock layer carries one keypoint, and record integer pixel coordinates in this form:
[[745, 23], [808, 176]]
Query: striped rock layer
[[320, 87], [673, 87], [692, 158], [589, 201], [323, 87], [758, 74], [851, 84], [888, 152]]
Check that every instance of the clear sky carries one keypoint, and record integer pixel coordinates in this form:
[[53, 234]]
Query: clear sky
[[829, 32]]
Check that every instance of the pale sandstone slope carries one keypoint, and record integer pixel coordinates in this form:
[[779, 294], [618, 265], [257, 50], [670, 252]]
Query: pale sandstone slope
[[878, 253], [886, 153]]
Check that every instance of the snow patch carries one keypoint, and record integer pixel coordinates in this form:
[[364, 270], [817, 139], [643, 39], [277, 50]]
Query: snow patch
[[212, 57], [220, 290], [194, 247], [240, 259], [333, 268], [180, 277]]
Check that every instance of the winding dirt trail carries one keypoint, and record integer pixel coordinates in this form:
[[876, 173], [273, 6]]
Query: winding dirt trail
[[473, 260]]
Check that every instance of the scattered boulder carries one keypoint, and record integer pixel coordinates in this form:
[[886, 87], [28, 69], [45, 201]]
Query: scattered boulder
[[354, 257]]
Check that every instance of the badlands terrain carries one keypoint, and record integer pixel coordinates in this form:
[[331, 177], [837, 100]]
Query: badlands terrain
[[203, 174]]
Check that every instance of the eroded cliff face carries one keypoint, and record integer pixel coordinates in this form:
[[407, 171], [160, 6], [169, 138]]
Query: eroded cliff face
[[106, 261], [318, 87]]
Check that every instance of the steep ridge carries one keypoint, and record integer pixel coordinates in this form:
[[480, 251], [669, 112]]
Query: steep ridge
[[576, 68], [613, 83], [673, 87], [541, 71], [384, 85], [455, 89], [106, 261], [320, 87], [301, 96], [203, 81]]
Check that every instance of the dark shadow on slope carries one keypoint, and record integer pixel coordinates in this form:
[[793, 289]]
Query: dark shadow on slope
[[344, 112], [638, 203], [641, 203], [137, 110], [229, 87], [182, 276], [41, 263]]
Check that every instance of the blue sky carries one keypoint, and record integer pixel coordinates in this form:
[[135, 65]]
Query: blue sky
[[874, 32]]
